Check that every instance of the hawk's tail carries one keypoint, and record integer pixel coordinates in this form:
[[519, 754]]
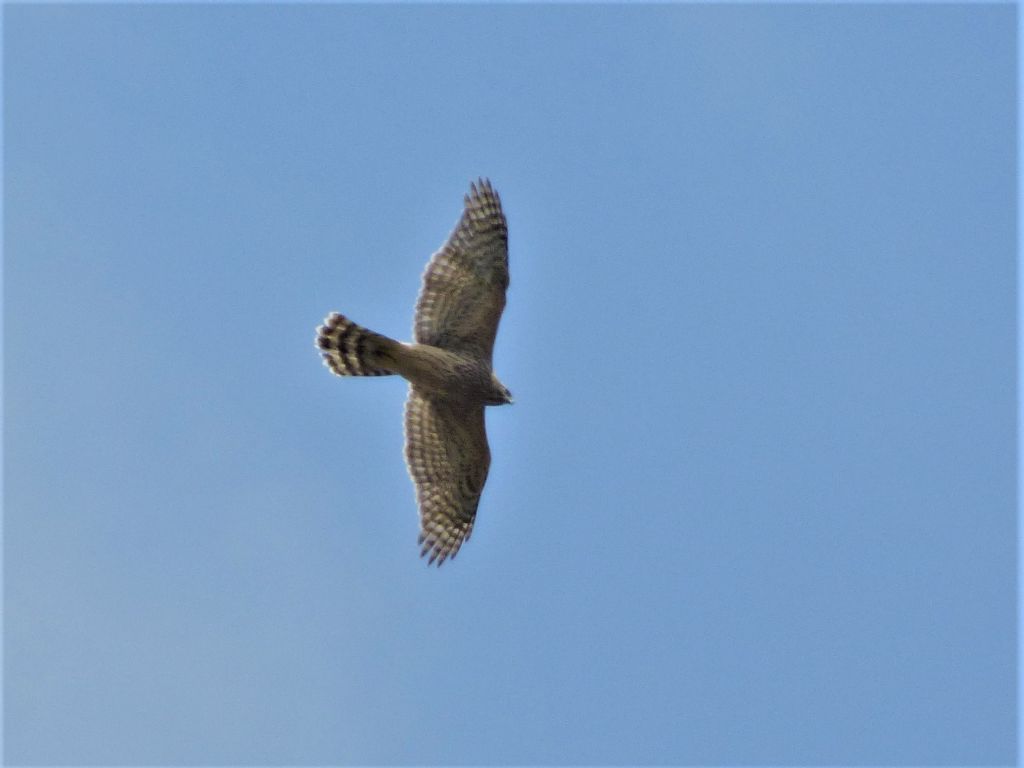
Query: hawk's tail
[[351, 350]]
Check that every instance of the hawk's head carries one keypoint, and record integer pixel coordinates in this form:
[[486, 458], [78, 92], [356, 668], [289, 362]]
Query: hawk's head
[[499, 394]]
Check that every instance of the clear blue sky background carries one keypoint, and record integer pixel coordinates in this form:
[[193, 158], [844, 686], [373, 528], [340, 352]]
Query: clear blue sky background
[[754, 502]]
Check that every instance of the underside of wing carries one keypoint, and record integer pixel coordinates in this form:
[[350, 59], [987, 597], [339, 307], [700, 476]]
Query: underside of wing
[[448, 458], [464, 285]]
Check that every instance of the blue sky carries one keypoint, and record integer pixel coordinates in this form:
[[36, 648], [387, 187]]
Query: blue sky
[[754, 503]]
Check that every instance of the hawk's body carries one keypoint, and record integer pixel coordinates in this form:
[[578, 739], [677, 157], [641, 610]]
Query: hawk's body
[[448, 368]]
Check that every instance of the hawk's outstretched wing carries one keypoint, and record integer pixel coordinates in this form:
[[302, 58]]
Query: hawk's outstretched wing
[[448, 458], [464, 284]]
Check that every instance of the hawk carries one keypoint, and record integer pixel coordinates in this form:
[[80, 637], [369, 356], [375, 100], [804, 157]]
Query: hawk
[[448, 367]]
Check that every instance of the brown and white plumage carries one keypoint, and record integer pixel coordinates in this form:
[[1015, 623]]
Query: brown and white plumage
[[349, 349], [448, 367], [464, 284], [448, 458]]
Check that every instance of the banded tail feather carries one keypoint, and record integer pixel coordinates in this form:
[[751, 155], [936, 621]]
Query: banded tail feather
[[349, 349]]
